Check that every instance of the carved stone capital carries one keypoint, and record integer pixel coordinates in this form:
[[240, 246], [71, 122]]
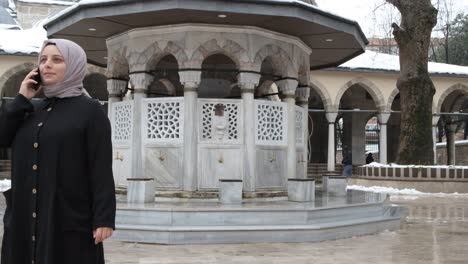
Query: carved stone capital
[[248, 81], [116, 87], [190, 79], [302, 94], [287, 87], [383, 117], [141, 81], [331, 117]]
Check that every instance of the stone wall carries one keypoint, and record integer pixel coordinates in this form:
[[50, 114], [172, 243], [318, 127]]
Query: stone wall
[[30, 13], [461, 153]]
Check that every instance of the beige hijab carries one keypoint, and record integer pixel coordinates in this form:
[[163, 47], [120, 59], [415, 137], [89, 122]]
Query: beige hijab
[[75, 59]]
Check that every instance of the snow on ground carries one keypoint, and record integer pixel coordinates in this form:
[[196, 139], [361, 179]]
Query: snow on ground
[[394, 165], [402, 192], [458, 142], [5, 185]]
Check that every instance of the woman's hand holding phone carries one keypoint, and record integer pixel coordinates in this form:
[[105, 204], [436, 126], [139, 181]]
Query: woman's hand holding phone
[[31, 84]]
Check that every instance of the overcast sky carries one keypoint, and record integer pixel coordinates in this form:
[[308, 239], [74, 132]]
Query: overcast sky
[[373, 23]]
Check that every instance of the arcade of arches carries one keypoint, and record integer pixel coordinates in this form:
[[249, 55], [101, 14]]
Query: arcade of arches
[[343, 99]]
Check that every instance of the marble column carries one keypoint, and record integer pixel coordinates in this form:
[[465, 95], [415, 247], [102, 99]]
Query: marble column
[[140, 83], [331, 117], [383, 120], [435, 121], [190, 80], [451, 129], [302, 94], [288, 89], [115, 89], [247, 83]]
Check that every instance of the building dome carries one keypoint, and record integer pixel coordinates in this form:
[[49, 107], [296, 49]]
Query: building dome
[[312, 2]]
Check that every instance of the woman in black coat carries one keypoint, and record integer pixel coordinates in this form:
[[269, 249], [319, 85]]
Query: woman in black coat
[[62, 201]]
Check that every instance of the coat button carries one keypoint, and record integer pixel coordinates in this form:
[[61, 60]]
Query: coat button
[[34, 167], [49, 109], [36, 145], [34, 215], [40, 124], [34, 190], [33, 238]]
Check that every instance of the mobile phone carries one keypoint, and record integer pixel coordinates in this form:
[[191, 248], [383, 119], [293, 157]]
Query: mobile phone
[[37, 78]]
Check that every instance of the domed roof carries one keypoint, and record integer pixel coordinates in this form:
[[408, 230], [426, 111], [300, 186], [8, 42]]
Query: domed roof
[[312, 2]]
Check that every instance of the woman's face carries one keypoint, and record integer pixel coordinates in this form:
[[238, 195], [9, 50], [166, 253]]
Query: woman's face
[[52, 66]]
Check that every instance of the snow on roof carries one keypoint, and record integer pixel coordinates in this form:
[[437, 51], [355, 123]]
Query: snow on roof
[[93, 2], [372, 60], [48, 2], [27, 41]]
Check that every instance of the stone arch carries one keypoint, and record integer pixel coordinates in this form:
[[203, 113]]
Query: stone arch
[[268, 85], [369, 86], [453, 88], [150, 57], [281, 60], [226, 47], [118, 64], [28, 66], [390, 100], [320, 89]]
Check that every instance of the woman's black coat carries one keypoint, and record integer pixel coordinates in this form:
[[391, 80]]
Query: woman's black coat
[[62, 182]]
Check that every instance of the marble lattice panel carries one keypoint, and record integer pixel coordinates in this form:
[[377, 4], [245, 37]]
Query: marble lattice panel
[[163, 120], [230, 129], [165, 165], [122, 123], [271, 123], [218, 163], [271, 168]]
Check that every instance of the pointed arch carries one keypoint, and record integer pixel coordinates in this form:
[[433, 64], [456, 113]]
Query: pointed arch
[[28, 66], [369, 86], [321, 90], [456, 87], [390, 100], [281, 60], [227, 47]]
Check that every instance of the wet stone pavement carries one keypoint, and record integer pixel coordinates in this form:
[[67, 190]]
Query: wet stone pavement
[[435, 231]]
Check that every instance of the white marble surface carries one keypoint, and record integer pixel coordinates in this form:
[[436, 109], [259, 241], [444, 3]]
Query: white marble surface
[[301, 191], [334, 186], [219, 163], [165, 165], [140, 191], [230, 192]]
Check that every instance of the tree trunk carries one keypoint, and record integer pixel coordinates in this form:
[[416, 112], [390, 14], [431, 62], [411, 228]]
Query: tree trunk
[[416, 88]]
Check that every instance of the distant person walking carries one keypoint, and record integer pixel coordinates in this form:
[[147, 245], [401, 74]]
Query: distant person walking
[[369, 158], [347, 164]]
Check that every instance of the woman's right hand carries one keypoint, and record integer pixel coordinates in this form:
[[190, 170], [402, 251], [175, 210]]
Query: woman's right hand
[[26, 88]]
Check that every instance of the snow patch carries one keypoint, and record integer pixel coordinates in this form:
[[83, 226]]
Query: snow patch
[[403, 192], [5, 185], [394, 165]]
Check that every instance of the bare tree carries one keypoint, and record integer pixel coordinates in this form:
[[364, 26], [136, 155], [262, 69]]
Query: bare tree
[[442, 30], [413, 37]]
